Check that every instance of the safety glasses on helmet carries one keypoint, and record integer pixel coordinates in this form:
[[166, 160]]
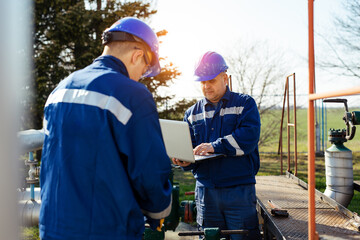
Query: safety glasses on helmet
[[147, 55]]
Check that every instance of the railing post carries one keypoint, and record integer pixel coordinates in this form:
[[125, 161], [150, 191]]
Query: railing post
[[295, 127], [287, 124], [312, 235]]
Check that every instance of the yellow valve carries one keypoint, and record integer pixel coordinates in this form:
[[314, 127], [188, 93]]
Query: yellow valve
[[160, 225]]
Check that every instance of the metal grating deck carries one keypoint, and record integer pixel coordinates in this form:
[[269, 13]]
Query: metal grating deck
[[290, 193]]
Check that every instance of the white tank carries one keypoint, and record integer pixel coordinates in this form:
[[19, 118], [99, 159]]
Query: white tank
[[339, 174]]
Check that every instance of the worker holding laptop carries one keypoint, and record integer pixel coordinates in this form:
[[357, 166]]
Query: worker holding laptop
[[228, 123]]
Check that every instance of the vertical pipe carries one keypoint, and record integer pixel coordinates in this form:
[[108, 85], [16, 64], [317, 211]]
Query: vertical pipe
[[322, 128], [317, 135], [230, 83], [288, 126], [280, 149], [295, 130], [281, 152], [32, 185], [326, 135], [311, 154]]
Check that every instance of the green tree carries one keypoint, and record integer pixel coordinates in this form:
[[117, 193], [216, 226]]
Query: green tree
[[177, 110], [67, 37]]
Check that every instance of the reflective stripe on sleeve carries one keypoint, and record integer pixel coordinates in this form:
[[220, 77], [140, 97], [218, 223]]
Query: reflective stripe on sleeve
[[158, 215], [45, 122], [81, 96], [234, 144]]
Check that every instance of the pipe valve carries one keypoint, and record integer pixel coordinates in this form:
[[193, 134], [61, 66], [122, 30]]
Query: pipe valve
[[350, 118]]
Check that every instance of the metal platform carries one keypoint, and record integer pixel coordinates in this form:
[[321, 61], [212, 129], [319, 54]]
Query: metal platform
[[333, 221]]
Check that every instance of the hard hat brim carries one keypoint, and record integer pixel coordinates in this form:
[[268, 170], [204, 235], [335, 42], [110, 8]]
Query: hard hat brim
[[205, 78]]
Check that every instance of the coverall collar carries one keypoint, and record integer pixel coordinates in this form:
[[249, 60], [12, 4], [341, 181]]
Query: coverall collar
[[114, 63], [225, 97]]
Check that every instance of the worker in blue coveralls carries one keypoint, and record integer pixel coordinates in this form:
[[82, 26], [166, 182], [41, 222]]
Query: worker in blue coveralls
[[104, 165], [229, 123]]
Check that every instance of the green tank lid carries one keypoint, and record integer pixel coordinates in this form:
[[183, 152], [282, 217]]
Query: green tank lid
[[338, 147]]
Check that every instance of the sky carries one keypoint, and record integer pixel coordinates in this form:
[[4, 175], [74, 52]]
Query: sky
[[197, 26]]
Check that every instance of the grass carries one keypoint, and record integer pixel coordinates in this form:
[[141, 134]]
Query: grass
[[30, 233], [333, 120], [186, 182]]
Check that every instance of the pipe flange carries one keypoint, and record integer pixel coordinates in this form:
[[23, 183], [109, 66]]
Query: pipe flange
[[337, 136], [32, 181], [29, 163]]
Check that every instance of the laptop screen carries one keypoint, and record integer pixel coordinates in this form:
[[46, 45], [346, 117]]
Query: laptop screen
[[176, 135], [177, 139]]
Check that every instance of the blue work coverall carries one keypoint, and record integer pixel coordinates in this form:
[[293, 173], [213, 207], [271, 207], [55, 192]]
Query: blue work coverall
[[104, 164], [225, 187]]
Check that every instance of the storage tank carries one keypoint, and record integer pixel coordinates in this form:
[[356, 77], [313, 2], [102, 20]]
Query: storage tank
[[339, 169]]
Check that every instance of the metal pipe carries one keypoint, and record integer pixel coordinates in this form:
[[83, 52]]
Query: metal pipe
[[281, 129], [322, 127], [317, 127], [29, 212], [31, 140], [343, 92], [230, 83], [325, 135], [295, 128], [25, 194], [29, 200], [311, 153], [32, 175], [29, 209], [287, 126]]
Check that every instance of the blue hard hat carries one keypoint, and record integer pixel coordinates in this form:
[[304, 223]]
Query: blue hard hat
[[141, 30], [209, 66]]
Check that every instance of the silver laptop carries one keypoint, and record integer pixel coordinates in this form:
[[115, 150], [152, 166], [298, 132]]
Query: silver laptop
[[176, 135]]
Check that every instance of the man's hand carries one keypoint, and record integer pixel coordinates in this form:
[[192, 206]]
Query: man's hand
[[180, 163], [204, 149]]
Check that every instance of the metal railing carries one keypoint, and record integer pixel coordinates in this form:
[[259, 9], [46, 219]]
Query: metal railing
[[289, 125]]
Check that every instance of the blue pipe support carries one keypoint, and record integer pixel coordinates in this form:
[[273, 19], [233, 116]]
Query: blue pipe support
[[322, 126], [32, 186]]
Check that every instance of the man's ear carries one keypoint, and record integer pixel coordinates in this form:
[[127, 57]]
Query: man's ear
[[226, 79], [136, 56]]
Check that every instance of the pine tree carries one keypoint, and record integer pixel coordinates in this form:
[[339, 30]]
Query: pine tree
[[67, 37]]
